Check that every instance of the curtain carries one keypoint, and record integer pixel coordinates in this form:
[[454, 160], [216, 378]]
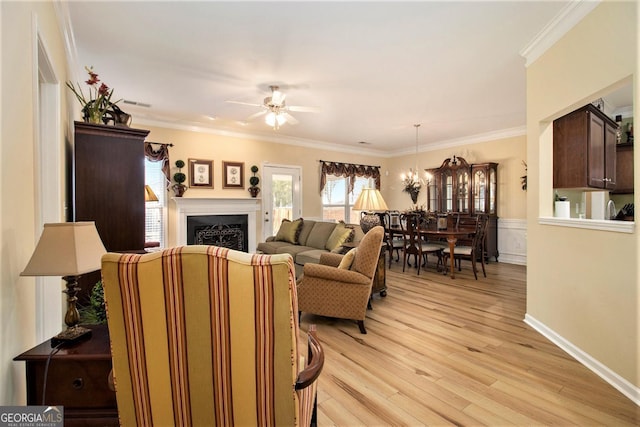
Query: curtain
[[348, 170], [157, 152]]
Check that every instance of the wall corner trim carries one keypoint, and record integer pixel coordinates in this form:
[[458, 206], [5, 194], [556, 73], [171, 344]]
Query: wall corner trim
[[622, 385]]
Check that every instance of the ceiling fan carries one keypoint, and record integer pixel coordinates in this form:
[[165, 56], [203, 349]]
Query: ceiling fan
[[275, 110]]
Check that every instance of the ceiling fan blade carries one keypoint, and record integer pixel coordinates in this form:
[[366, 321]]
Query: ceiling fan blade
[[256, 115], [244, 103], [290, 119], [302, 109]]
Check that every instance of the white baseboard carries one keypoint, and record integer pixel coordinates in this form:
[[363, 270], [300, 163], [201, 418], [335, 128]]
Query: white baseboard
[[622, 385]]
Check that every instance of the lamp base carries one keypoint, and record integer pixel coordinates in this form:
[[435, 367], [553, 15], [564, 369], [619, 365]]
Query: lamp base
[[368, 221], [71, 335]]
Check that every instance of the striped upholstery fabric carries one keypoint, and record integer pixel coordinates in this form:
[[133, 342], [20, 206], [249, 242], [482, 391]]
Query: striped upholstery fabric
[[205, 336]]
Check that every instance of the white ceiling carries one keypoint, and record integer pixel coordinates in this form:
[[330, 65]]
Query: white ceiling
[[373, 68]]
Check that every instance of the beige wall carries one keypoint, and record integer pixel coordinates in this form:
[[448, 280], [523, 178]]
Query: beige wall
[[509, 153], [203, 145], [582, 284], [19, 21]]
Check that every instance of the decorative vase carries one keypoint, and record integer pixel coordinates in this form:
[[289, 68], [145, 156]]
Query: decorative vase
[[254, 191], [94, 117], [179, 189], [414, 196]]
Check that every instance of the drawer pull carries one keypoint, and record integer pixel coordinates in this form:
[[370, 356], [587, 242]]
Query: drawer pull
[[78, 383]]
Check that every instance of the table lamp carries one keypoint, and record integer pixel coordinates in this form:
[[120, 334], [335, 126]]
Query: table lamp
[[370, 200], [67, 249], [149, 195]]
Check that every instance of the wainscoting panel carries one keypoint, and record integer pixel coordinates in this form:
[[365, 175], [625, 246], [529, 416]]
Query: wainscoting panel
[[512, 241]]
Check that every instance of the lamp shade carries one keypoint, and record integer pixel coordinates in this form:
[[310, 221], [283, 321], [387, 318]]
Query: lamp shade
[[370, 199], [66, 249], [149, 195]]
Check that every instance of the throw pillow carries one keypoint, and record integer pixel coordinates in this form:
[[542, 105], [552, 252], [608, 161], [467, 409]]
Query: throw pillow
[[289, 231], [347, 259], [339, 235]]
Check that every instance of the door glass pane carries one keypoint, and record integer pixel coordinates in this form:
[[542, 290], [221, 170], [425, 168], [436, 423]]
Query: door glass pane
[[282, 193], [448, 191], [479, 192], [492, 191], [433, 200], [463, 192]]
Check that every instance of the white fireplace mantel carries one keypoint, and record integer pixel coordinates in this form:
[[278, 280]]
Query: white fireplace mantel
[[191, 206]]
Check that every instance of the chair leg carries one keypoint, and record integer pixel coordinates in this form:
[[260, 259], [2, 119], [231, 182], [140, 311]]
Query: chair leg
[[475, 269], [361, 326]]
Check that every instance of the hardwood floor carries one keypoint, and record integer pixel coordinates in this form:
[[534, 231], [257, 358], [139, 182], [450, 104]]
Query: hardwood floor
[[456, 352]]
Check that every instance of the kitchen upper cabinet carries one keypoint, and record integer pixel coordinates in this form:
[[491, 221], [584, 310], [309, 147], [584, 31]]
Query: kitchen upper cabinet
[[624, 168], [584, 150]]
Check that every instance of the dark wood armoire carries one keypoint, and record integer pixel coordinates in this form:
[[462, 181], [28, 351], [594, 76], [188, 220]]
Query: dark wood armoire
[[108, 186]]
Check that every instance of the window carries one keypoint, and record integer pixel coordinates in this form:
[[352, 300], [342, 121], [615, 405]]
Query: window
[[155, 211], [336, 203]]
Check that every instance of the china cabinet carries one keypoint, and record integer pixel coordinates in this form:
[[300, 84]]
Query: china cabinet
[[467, 189], [584, 150]]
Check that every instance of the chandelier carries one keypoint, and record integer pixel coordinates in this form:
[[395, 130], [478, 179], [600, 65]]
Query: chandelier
[[411, 180]]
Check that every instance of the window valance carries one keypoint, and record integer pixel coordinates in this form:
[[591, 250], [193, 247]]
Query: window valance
[[348, 170], [158, 152]]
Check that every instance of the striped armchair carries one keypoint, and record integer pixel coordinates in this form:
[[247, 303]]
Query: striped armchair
[[203, 335]]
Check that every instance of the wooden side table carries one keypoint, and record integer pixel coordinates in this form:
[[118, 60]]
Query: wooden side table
[[78, 380]]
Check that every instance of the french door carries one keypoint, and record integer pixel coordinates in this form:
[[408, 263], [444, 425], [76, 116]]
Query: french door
[[281, 196]]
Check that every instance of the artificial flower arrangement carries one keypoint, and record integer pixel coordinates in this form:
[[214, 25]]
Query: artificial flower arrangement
[[98, 101], [412, 186]]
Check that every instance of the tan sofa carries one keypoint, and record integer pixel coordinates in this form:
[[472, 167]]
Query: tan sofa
[[307, 239]]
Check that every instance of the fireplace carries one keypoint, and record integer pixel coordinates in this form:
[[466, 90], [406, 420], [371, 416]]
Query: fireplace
[[220, 222], [228, 231]]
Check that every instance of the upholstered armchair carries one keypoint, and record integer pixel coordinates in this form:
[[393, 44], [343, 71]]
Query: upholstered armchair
[[340, 286], [204, 335]]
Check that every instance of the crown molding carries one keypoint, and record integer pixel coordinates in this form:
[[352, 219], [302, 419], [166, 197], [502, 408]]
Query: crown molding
[[467, 140], [298, 142], [310, 143], [564, 21]]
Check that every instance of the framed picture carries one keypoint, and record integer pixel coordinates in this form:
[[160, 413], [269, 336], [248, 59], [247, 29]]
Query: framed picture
[[232, 175], [200, 173]]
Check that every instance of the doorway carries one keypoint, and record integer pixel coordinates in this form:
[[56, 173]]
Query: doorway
[[281, 198]]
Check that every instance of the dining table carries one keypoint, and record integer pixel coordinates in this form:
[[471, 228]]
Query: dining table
[[452, 234]]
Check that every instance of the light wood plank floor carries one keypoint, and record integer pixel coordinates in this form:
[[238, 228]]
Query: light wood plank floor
[[456, 352]]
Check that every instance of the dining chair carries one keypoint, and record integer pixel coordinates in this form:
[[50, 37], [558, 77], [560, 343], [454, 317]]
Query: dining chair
[[414, 244], [474, 250], [392, 239]]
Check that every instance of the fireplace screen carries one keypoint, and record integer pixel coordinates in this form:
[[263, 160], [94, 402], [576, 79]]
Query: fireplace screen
[[227, 231]]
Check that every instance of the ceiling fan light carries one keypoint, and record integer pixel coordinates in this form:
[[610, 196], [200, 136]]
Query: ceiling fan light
[[274, 119], [270, 119]]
